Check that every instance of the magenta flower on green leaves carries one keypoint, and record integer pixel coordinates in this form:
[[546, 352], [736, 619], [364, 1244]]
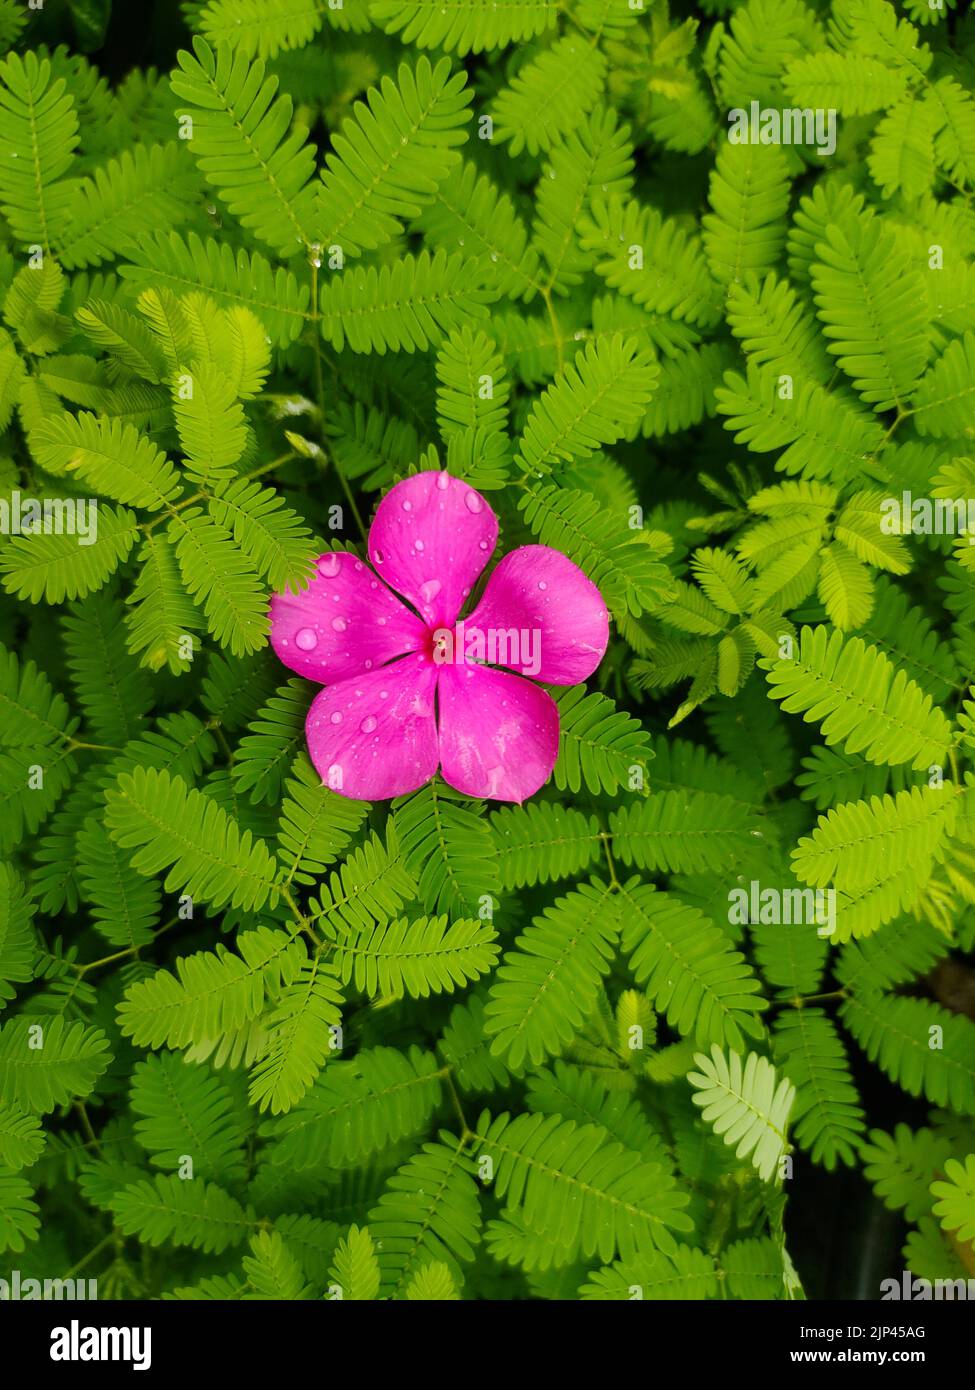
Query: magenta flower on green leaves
[[410, 689]]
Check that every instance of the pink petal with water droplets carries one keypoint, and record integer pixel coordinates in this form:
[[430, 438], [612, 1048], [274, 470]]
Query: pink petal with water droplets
[[374, 736], [539, 591], [344, 623], [499, 734], [431, 538]]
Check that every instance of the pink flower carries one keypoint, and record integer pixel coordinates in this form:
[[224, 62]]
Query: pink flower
[[408, 691]]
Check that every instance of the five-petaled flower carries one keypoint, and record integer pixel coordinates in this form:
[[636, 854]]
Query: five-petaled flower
[[395, 707]]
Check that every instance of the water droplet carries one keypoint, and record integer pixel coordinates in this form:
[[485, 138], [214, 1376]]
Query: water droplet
[[483, 545], [384, 694], [339, 624], [542, 584], [374, 584], [430, 590], [443, 481], [378, 556], [358, 564], [306, 639], [329, 566], [335, 717], [407, 506], [473, 502], [418, 545], [368, 663], [368, 724], [381, 622]]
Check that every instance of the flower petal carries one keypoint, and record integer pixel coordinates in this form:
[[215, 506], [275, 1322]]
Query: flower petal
[[431, 538], [374, 736], [344, 623], [499, 734], [543, 595]]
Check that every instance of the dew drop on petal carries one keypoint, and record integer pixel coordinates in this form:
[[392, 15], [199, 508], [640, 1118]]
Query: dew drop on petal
[[339, 624], [418, 545], [381, 622], [368, 663], [443, 481], [430, 590], [329, 566], [542, 584], [368, 724], [335, 717], [472, 502], [307, 639], [378, 556], [384, 694], [483, 545], [407, 506]]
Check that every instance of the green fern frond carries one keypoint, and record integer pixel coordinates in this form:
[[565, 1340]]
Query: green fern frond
[[222, 579], [162, 615], [371, 887], [684, 832], [113, 458], [18, 943], [428, 1212], [871, 304], [146, 190], [547, 984], [955, 1207], [52, 566], [416, 958], [187, 1111], [749, 195], [46, 1061], [38, 130], [125, 907], [404, 307], [197, 1214], [355, 1272], [550, 95], [213, 993], [542, 842], [827, 1117], [301, 1033], [447, 845], [688, 968], [471, 26], [389, 158], [587, 1192], [230, 276], [748, 1105], [358, 1108], [171, 825], [900, 1166], [316, 824], [864, 703]]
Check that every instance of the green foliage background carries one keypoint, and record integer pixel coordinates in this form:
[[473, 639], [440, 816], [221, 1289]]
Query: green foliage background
[[710, 364]]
